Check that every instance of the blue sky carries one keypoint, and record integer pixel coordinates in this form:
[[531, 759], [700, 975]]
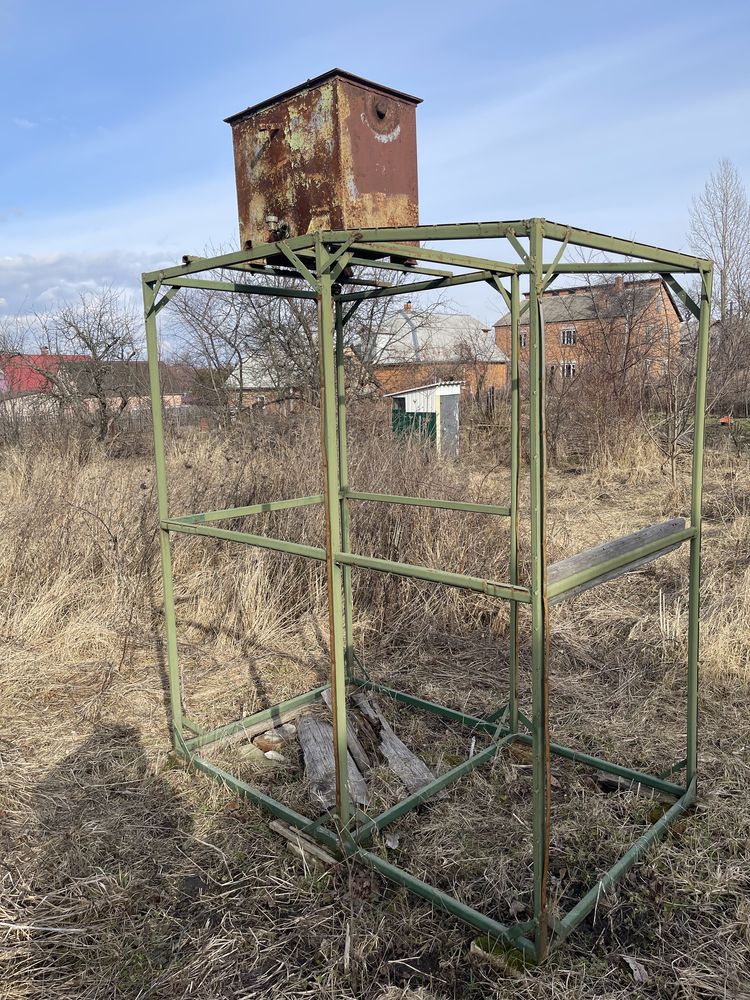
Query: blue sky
[[114, 157]]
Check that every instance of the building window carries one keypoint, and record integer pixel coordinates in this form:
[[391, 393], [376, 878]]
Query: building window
[[522, 339], [568, 336], [568, 369]]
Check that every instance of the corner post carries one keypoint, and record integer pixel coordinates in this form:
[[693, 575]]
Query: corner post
[[515, 446], [162, 497], [704, 328], [539, 696], [344, 484], [332, 493]]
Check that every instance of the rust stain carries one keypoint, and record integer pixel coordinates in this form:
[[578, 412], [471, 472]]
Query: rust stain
[[339, 154]]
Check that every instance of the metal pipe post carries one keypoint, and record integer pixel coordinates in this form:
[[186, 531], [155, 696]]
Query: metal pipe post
[[332, 492], [539, 693], [344, 484], [515, 447], [162, 499], [694, 600]]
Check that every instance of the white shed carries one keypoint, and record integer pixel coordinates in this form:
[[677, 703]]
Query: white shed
[[433, 410]]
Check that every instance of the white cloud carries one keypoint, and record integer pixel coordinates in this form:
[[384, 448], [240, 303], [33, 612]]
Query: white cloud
[[36, 282], [23, 123]]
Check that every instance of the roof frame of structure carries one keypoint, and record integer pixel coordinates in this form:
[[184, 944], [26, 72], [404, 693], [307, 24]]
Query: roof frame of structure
[[400, 248]]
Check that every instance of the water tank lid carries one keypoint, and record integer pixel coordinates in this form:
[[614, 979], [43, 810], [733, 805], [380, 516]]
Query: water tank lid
[[315, 82]]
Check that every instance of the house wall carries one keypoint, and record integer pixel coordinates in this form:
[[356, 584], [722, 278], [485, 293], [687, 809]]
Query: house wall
[[480, 376], [656, 336]]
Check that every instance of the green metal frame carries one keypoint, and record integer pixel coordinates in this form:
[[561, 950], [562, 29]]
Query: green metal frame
[[318, 261]]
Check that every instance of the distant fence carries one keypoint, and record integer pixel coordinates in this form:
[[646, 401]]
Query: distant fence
[[20, 419]]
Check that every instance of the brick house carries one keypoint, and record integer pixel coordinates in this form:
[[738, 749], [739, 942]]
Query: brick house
[[633, 326], [422, 349]]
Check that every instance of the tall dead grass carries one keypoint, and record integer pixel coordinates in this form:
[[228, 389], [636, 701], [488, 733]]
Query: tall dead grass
[[125, 876]]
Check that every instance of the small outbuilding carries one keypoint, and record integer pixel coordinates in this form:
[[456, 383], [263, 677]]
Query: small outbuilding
[[432, 410]]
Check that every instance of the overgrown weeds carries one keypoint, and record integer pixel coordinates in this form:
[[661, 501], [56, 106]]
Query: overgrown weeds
[[127, 876]]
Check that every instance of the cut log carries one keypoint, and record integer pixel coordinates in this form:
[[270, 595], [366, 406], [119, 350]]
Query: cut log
[[590, 558], [316, 739], [412, 771], [352, 739]]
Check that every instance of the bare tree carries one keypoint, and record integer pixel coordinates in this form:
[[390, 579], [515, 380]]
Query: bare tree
[[213, 332], [101, 330], [720, 230], [242, 342]]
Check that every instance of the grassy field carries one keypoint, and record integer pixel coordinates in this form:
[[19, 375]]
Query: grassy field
[[124, 876]]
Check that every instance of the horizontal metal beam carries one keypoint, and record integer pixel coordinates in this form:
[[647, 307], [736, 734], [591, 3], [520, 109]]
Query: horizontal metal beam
[[259, 798], [487, 587], [441, 257], [448, 903], [243, 287], [449, 714], [618, 267], [450, 231], [256, 508], [270, 269], [427, 791], [613, 244], [389, 265], [474, 508], [196, 264], [260, 541], [574, 916], [410, 287], [265, 715], [600, 764]]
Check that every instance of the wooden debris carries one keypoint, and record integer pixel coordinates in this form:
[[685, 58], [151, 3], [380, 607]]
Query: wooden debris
[[275, 739], [412, 771], [352, 739], [248, 732], [316, 739], [302, 846]]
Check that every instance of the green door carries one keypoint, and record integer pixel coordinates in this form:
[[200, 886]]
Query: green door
[[404, 423]]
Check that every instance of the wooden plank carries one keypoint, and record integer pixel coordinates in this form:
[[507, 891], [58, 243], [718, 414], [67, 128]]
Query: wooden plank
[[352, 739], [560, 571], [316, 739], [412, 771]]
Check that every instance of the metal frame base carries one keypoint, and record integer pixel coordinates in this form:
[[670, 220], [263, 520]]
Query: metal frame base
[[326, 830]]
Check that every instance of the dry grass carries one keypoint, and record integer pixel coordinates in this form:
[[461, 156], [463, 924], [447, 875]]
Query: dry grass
[[124, 876]]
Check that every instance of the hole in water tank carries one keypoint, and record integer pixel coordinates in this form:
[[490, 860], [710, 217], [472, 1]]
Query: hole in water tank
[[381, 109]]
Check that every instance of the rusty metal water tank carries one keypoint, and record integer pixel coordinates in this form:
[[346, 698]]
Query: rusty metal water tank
[[336, 152]]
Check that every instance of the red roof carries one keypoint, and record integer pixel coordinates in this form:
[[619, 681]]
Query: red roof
[[21, 373]]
